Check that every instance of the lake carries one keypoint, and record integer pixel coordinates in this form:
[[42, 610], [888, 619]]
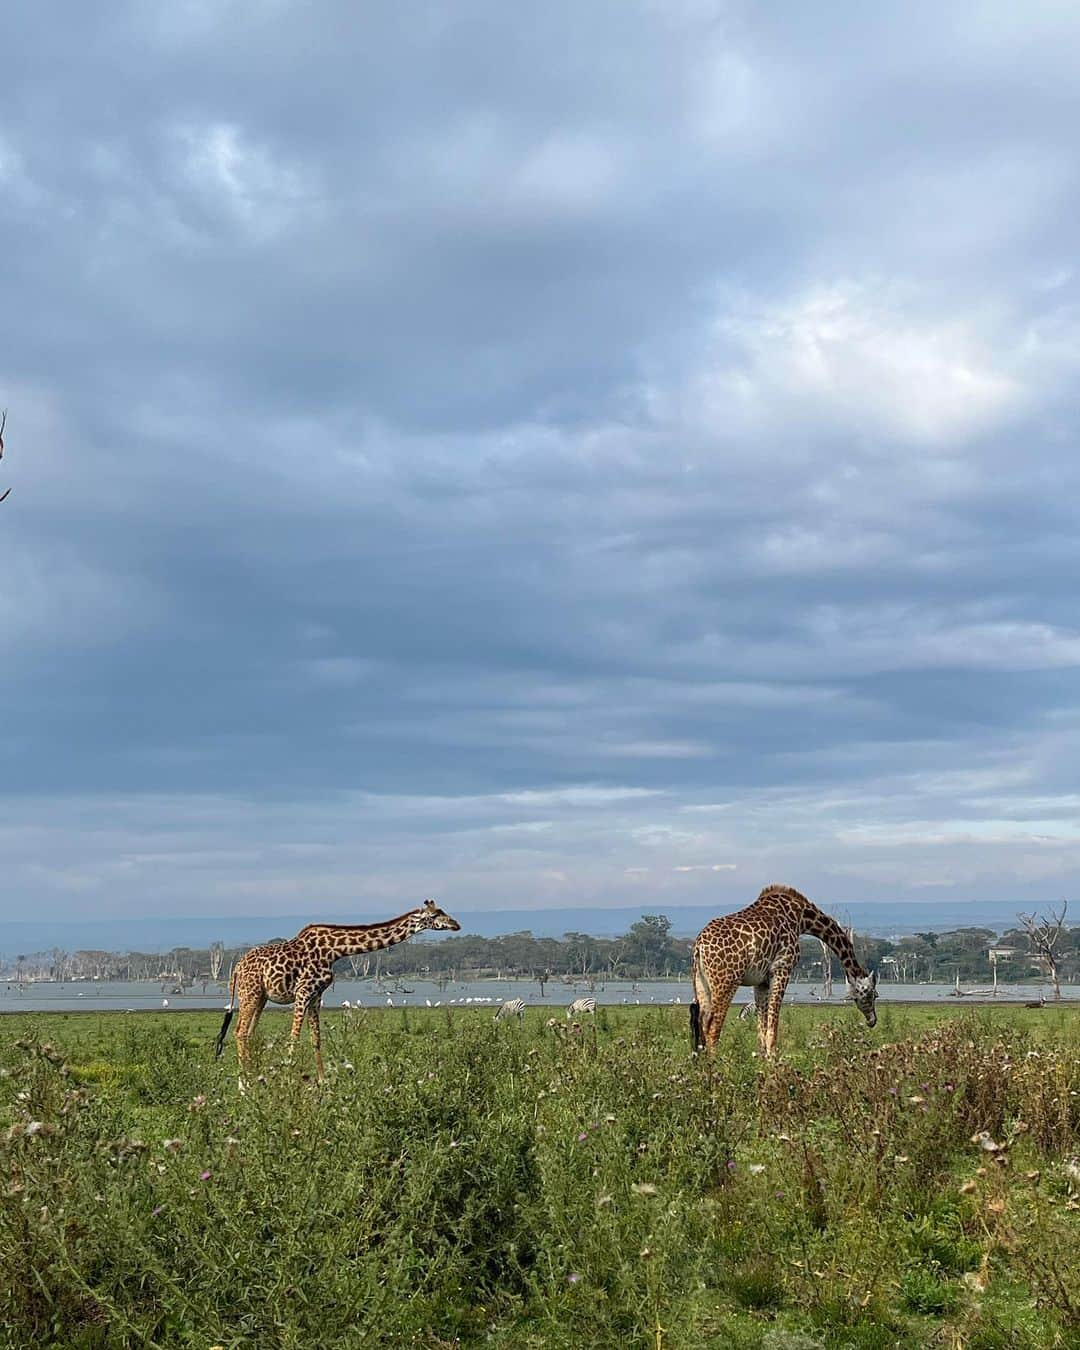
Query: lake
[[150, 995]]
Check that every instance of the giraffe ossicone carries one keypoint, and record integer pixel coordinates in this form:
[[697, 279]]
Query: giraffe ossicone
[[300, 970], [759, 946]]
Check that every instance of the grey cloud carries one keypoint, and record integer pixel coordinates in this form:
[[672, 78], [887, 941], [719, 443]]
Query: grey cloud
[[668, 402]]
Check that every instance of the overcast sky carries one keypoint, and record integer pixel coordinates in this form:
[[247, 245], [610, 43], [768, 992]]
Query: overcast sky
[[591, 452]]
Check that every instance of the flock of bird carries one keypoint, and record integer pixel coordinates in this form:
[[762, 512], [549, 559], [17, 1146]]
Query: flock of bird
[[514, 1007]]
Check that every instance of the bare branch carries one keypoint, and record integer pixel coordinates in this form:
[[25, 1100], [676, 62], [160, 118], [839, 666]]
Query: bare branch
[[3, 424], [1044, 936]]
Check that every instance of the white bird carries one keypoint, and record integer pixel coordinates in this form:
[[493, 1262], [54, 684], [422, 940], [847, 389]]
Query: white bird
[[164, 1002], [427, 1001]]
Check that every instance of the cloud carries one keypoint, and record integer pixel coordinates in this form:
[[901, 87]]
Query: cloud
[[451, 454], [859, 360]]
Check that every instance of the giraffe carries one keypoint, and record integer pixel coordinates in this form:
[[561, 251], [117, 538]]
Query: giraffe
[[300, 971], [759, 946]]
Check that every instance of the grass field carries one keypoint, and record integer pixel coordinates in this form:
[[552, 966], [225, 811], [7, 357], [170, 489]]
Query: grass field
[[459, 1183]]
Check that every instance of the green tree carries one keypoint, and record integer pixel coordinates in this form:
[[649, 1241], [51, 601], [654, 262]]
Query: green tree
[[649, 944]]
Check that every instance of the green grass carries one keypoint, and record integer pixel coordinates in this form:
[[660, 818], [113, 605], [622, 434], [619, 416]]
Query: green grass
[[458, 1183]]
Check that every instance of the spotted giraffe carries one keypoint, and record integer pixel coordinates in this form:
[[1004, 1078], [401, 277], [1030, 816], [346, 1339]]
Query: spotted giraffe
[[301, 970], [759, 946]]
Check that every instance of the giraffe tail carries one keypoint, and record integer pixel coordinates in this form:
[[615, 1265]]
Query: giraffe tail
[[219, 1044]]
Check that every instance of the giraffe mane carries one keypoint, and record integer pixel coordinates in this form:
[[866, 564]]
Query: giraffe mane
[[361, 927]]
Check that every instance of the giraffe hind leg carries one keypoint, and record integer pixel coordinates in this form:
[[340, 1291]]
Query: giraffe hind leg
[[776, 997], [316, 1035], [714, 1022], [300, 1007], [761, 1003], [701, 1007], [251, 1007]]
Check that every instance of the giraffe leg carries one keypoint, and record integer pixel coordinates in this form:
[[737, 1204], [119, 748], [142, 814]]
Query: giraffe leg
[[316, 1037], [251, 1007], [713, 1023], [777, 988], [300, 1008], [761, 1002]]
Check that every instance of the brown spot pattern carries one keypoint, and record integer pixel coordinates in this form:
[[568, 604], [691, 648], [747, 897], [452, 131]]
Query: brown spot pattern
[[301, 970], [759, 946]]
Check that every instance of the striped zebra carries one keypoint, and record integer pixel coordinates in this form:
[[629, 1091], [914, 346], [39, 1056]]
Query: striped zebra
[[747, 1010], [514, 1007], [581, 1005]]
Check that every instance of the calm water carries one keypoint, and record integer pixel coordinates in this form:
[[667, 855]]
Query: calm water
[[143, 995]]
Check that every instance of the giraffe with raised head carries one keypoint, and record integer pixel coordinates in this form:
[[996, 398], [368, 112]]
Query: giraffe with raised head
[[759, 946], [301, 970]]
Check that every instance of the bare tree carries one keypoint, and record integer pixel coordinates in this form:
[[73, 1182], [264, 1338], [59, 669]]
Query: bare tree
[[1044, 936], [826, 969], [217, 959], [3, 423]]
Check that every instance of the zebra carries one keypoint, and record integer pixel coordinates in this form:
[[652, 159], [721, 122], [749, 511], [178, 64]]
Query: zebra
[[514, 1007], [581, 1005], [747, 1010]]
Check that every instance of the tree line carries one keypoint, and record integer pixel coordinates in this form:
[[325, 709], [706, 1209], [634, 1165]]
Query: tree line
[[649, 950]]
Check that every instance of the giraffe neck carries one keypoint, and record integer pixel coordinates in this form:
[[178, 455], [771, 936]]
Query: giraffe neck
[[353, 939], [819, 925]]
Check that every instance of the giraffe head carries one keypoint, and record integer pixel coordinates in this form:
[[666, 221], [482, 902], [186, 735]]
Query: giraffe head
[[431, 916], [863, 991]]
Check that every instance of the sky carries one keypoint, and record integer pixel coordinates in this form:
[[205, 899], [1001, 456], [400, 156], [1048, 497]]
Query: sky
[[596, 454]]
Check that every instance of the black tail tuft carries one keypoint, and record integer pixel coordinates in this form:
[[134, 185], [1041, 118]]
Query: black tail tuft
[[219, 1044], [695, 1025]]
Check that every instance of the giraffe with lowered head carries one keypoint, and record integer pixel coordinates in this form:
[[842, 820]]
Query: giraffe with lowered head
[[759, 946], [301, 970]]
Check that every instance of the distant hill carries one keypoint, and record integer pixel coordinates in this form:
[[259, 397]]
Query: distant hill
[[882, 919]]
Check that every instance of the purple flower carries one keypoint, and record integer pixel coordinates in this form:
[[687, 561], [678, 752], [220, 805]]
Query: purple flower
[[156, 1211], [779, 1195], [204, 1176], [572, 1279], [582, 1136], [731, 1165]]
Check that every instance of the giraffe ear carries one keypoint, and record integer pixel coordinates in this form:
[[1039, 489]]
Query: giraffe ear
[[430, 906]]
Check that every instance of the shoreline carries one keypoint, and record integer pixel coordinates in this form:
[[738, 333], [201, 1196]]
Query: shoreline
[[1048, 1006]]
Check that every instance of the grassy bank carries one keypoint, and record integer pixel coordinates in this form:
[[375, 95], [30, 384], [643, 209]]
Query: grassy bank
[[461, 1183]]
